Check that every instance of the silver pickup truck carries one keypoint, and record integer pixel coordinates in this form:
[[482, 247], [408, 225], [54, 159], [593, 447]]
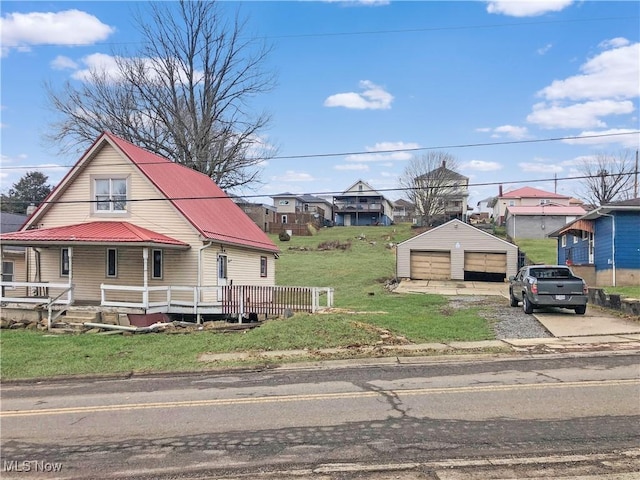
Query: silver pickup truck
[[548, 286]]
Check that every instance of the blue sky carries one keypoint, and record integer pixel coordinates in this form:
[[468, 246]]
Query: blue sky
[[365, 77]]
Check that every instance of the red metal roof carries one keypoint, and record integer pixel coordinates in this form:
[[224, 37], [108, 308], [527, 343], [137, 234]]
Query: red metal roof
[[94, 232], [530, 192], [198, 198]]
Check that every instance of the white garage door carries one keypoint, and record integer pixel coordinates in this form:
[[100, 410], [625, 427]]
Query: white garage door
[[430, 265], [485, 262]]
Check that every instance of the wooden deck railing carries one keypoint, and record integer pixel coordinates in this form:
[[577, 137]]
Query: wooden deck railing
[[242, 299]]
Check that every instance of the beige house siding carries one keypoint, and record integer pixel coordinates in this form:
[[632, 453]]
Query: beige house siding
[[455, 237], [180, 267], [244, 267], [17, 258], [159, 216]]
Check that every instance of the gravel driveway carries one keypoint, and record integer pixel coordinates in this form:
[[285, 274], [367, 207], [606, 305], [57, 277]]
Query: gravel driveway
[[506, 321]]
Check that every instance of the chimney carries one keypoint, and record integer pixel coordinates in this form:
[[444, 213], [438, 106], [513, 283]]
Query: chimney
[[444, 164], [500, 190]]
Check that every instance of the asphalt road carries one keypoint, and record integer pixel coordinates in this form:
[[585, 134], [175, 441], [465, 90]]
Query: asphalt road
[[425, 420]]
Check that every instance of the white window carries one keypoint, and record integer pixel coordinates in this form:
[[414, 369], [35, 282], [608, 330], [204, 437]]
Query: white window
[[111, 194], [263, 266], [512, 203], [575, 238], [545, 202], [222, 266], [283, 202], [564, 240], [284, 219], [156, 255], [112, 262], [8, 271], [64, 262]]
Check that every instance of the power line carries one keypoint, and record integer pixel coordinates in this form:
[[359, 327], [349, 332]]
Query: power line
[[331, 193], [398, 150], [356, 33]]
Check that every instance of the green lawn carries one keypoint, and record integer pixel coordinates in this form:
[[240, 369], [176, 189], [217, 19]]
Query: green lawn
[[539, 250], [357, 272]]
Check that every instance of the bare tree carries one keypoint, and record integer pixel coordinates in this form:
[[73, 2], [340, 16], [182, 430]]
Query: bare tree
[[184, 95], [432, 184], [607, 178]]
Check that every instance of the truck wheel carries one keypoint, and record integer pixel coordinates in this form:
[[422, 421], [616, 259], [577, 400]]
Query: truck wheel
[[580, 310], [527, 306], [513, 301]]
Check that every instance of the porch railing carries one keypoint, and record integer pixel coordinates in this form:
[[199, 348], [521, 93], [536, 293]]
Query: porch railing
[[231, 299], [243, 299], [43, 296]]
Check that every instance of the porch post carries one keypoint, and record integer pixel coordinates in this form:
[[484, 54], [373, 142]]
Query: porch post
[[145, 277], [70, 294]]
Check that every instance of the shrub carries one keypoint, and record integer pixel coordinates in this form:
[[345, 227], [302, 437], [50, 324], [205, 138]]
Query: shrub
[[284, 237]]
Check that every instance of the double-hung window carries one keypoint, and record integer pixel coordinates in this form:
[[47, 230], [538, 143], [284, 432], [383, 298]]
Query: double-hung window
[[111, 194], [7, 271], [263, 266]]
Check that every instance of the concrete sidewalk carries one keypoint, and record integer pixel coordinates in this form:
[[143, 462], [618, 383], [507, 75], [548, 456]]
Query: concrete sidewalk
[[390, 353], [453, 287]]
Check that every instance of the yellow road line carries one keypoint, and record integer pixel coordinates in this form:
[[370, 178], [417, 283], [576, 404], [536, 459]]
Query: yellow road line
[[312, 397]]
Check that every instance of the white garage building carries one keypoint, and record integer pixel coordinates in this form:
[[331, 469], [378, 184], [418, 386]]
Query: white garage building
[[456, 251]]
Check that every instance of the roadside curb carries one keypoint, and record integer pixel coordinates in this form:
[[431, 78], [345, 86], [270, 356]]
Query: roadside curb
[[377, 355]]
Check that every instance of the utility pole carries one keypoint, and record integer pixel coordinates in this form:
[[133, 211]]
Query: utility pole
[[635, 183]]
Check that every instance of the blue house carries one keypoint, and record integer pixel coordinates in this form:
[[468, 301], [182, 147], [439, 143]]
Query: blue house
[[603, 246]]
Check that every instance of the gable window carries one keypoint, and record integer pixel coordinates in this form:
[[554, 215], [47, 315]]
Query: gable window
[[564, 240], [7, 271], [263, 266], [64, 262], [575, 239], [112, 262], [110, 194], [156, 271]]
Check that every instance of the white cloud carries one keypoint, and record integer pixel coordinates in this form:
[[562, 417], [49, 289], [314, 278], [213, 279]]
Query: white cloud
[[545, 49], [70, 27], [100, 62], [352, 166], [111, 67], [611, 74], [540, 167], [606, 85], [481, 166], [520, 8], [63, 63], [510, 131], [292, 176], [373, 97], [625, 138], [385, 151], [579, 115]]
